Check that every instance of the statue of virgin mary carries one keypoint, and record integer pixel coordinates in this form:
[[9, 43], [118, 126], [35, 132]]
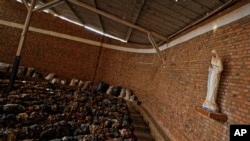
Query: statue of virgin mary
[[213, 83]]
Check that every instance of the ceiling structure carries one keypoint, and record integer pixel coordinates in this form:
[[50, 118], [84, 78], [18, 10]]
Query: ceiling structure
[[134, 21]]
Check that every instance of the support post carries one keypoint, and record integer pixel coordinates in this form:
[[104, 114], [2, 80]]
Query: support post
[[152, 41], [26, 4], [20, 46]]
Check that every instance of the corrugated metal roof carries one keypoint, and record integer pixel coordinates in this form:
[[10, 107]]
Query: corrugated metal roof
[[162, 18]]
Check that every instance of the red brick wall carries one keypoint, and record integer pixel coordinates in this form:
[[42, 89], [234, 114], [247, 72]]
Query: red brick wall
[[47, 54], [169, 93]]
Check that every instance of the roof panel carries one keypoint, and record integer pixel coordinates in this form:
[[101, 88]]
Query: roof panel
[[111, 27], [65, 10], [88, 17], [162, 17]]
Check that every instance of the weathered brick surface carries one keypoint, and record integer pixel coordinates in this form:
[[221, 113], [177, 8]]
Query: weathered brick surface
[[169, 93], [66, 58]]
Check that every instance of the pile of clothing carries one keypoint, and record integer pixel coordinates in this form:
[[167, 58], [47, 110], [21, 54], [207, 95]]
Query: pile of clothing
[[39, 110]]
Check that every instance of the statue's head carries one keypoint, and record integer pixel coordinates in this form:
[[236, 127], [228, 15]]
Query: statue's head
[[214, 53]]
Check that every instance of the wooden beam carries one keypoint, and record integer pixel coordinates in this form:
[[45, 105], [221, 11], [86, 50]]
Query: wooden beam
[[26, 4], [152, 41], [158, 51]]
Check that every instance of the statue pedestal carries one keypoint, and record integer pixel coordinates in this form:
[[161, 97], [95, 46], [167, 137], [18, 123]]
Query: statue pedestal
[[213, 115]]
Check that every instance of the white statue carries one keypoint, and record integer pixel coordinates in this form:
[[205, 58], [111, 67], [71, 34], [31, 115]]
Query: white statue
[[213, 82]]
